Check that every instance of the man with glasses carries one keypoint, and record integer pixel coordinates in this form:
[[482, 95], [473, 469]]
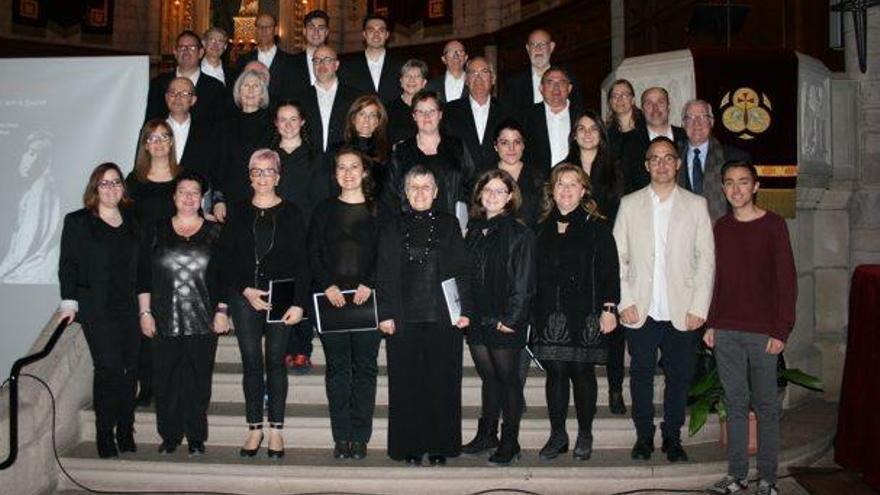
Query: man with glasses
[[194, 143], [326, 103], [452, 84], [667, 267], [655, 108], [375, 70], [522, 89], [214, 41], [473, 118], [704, 156], [213, 102], [316, 29], [267, 52], [548, 124]]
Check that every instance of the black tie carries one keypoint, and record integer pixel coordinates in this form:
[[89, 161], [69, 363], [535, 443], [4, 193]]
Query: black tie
[[697, 172]]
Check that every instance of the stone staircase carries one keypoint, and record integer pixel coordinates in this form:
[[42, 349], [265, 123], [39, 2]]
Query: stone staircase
[[309, 466]]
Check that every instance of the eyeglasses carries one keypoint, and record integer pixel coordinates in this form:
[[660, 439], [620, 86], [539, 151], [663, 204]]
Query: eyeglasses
[[178, 94], [417, 189], [425, 113], [621, 96], [323, 60], [697, 119], [110, 184], [454, 53], [539, 45], [215, 41], [368, 115], [158, 138], [666, 159], [489, 191], [482, 73], [189, 194], [262, 172], [188, 48]]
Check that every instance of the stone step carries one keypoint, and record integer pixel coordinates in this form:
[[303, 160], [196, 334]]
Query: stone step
[[308, 426], [806, 433]]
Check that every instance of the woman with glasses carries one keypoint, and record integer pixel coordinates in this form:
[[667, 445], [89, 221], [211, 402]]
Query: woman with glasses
[[623, 116], [150, 186], [578, 287], [97, 272], [413, 78], [446, 157], [177, 287], [263, 241], [502, 250], [421, 253]]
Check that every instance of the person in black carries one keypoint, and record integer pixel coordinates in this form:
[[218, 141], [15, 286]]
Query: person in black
[[578, 284], [263, 241], [418, 252], [342, 257], [502, 249], [413, 78], [374, 70], [446, 157], [149, 185], [97, 272], [624, 116], [510, 144], [177, 287], [248, 129], [280, 63]]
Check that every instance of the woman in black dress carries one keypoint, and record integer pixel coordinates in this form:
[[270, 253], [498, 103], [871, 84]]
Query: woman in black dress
[[97, 273], [263, 241], [413, 78], [590, 149], [177, 296], [444, 155], [418, 251], [578, 284], [502, 249], [342, 255], [510, 144]]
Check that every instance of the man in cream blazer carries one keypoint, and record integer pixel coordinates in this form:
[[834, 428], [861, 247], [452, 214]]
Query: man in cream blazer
[[667, 268]]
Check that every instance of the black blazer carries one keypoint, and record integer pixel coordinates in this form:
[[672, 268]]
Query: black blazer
[[518, 95], [458, 121], [538, 138], [281, 73], [354, 72], [300, 80], [438, 84], [345, 96], [401, 124], [452, 166], [83, 266], [633, 147], [201, 151], [212, 105]]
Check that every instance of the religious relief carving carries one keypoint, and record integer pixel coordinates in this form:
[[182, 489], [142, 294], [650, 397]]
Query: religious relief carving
[[814, 121]]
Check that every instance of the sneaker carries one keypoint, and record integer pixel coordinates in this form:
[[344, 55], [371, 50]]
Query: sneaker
[[765, 488], [301, 364], [728, 484]]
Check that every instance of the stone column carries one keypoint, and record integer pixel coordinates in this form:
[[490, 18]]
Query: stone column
[[618, 33]]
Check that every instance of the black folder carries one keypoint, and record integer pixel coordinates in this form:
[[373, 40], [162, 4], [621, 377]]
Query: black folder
[[281, 298], [349, 318]]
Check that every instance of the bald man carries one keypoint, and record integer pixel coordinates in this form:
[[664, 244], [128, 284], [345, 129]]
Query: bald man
[[451, 85], [194, 142], [279, 62]]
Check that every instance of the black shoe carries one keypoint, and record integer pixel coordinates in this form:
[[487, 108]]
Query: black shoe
[[275, 454], [167, 448], [486, 439], [125, 439], [413, 461], [556, 444], [144, 398], [358, 450], [674, 450], [243, 452], [615, 403], [196, 448], [437, 460], [508, 449], [106, 445], [643, 449], [583, 448], [342, 450]]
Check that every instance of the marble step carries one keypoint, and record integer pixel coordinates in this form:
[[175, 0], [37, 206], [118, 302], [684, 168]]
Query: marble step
[[806, 433]]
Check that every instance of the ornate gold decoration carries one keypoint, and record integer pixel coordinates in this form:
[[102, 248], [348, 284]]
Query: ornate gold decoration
[[746, 113]]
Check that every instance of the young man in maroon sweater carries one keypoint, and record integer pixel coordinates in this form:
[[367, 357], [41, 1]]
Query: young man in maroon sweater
[[752, 313]]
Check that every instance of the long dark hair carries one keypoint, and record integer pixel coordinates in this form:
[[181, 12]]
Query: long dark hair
[[605, 171], [380, 136], [611, 122], [303, 131], [90, 195], [368, 185]]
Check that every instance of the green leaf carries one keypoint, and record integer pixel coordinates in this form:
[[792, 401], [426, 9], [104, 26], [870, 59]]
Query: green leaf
[[699, 415], [707, 383], [798, 377]]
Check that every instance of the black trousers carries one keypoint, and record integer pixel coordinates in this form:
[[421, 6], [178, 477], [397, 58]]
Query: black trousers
[[616, 349], [501, 388], [424, 389], [113, 341], [351, 383], [679, 353], [300, 340], [183, 367], [260, 376], [145, 365], [582, 378]]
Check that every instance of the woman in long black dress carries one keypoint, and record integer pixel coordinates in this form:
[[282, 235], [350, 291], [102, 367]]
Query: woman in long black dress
[[510, 144], [263, 241], [502, 248], [418, 251], [97, 272], [177, 293], [578, 283], [342, 255]]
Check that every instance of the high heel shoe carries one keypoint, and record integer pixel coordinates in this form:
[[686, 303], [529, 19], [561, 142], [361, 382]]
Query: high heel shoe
[[275, 454], [252, 452]]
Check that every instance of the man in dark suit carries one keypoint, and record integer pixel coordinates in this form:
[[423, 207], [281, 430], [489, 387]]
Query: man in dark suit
[[316, 29], [521, 90], [473, 118], [213, 102], [194, 143], [655, 108], [214, 42], [451, 85], [278, 61], [548, 124], [375, 70], [326, 104], [704, 155]]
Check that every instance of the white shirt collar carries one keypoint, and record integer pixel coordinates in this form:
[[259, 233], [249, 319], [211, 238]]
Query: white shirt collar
[[375, 67], [310, 52], [481, 116], [453, 88], [215, 72], [668, 133], [266, 57], [181, 134], [194, 77], [536, 86]]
